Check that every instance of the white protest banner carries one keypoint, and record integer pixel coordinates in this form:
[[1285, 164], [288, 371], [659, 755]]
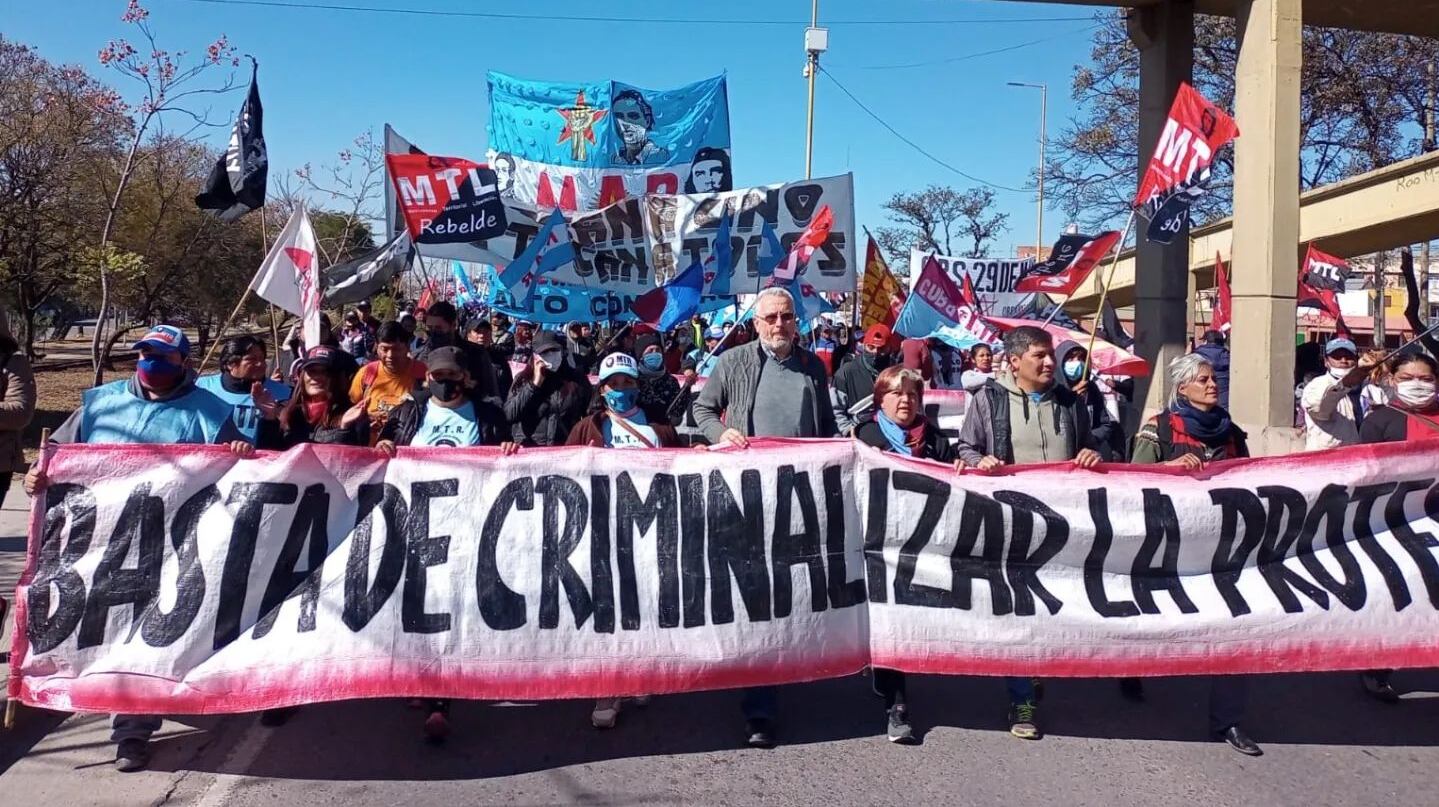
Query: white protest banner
[[172, 579], [682, 228], [993, 280]]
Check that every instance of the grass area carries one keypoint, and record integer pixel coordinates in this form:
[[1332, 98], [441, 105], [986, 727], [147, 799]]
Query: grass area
[[59, 393]]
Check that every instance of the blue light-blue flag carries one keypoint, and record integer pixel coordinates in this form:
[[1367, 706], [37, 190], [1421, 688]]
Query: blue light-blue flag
[[550, 249], [722, 256]]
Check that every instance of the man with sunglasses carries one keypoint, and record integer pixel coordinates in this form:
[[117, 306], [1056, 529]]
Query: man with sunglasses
[[771, 387]]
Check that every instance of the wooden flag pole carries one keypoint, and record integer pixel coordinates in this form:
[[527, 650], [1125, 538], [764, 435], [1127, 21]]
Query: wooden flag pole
[[12, 703], [1104, 291]]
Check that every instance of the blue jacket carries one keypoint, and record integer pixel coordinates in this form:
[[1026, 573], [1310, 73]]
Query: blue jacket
[[1218, 356], [118, 412]]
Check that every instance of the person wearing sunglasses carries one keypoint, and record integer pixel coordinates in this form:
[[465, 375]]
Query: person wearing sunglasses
[[771, 387]]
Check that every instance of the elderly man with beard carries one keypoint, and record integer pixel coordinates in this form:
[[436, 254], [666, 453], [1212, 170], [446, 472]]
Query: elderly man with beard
[[768, 388]]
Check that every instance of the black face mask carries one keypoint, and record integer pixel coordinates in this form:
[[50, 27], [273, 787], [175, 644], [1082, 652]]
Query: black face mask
[[441, 339], [874, 361], [445, 390]]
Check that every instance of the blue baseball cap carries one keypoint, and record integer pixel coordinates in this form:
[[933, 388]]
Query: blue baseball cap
[[1340, 343], [166, 338]]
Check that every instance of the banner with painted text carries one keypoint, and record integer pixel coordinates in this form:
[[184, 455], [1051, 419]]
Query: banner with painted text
[[993, 280], [172, 579], [584, 146]]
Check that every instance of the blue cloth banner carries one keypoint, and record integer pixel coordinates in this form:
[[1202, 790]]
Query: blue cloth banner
[[583, 146]]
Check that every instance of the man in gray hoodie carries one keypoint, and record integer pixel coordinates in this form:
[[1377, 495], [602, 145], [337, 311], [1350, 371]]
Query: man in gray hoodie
[[1022, 417]]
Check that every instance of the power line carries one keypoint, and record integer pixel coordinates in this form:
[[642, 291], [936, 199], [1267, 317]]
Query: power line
[[495, 15], [969, 56], [911, 143]]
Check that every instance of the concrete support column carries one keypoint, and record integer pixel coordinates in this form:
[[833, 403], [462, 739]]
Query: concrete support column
[[1266, 221], [1164, 34]]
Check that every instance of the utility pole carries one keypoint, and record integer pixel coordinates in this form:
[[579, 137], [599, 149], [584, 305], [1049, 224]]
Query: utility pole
[[1043, 113], [816, 41]]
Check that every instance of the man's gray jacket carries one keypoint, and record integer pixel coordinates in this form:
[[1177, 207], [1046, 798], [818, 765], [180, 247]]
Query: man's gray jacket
[[730, 391]]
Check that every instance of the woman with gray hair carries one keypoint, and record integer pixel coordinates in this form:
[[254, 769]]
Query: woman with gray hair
[[1192, 431]]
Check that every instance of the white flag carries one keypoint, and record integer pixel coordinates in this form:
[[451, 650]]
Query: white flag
[[289, 277]]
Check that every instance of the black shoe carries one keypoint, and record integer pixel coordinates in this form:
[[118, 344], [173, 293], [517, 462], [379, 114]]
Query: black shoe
[[1240, 741], [271, 718], [900, 732], [759, 733], [1132, 689], [132, 755], [1377, 686]]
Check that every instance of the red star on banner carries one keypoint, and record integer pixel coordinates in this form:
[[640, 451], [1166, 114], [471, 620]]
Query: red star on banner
[[580, 121]]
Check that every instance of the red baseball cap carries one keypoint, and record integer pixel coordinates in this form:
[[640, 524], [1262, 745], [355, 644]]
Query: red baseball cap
[[877, 336]]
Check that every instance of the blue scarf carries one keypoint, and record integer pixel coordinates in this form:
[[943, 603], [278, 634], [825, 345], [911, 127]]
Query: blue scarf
[[1210, 428], [895, 434]]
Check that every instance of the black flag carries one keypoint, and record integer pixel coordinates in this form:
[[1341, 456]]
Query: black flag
[[237, 183], [1110, 330], [359, 279]]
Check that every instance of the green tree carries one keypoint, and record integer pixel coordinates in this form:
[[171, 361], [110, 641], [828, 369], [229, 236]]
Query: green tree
[[940, 219]]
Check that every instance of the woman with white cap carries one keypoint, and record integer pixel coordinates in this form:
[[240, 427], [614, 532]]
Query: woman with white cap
[[617, 421]]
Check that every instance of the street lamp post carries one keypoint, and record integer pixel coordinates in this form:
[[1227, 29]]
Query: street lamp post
[[1043, 110], [816, 41]]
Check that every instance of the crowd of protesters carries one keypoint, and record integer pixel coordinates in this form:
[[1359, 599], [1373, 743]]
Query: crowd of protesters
[[444, 378]]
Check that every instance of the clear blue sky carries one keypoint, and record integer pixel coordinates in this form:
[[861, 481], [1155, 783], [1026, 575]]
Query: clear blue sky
[[327, 75]]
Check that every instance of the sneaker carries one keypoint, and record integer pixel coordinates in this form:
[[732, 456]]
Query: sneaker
[[132, 755], [1022, 722], [1378, 687], [759, 733], [900, 732], [606, 712], [437, 727]]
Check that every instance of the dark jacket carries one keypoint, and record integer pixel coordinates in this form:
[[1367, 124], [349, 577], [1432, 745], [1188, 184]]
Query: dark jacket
[[937, 447], [1386, 424], [1163, 438], [479, 366], [657, 392], [404, 423], [590, 432], [727, 399], [853, 382], [545, 416], [1218, 358], [986, 427], [272, 436]]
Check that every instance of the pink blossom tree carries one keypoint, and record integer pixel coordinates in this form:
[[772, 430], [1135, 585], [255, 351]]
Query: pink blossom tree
[[169, 84]]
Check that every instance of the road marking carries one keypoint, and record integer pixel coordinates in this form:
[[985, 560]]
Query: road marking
[[240, 758]]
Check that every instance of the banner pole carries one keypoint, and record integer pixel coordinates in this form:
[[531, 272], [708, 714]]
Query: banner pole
[[1104, 292], [12, 701]]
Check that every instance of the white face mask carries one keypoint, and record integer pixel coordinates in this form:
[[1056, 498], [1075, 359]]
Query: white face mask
[[1338, 372], [1414, 393]]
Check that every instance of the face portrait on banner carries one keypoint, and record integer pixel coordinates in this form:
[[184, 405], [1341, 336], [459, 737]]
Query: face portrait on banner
[[504, 167], [634, 118], [709, 172]]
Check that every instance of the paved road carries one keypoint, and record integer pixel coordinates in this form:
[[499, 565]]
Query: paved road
[[1326, 744]]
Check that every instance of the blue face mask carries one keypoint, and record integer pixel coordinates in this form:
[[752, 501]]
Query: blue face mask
[[1073, 369], [653, 361], [157, 373], [621, 400]]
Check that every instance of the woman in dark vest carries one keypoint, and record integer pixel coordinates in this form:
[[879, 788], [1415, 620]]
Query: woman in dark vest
[[1412, 413], [898, 425], [1193, 431]]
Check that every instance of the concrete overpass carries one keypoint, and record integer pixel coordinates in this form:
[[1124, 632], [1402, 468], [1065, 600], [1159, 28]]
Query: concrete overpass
[[1265, 235], [1396, 204]]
